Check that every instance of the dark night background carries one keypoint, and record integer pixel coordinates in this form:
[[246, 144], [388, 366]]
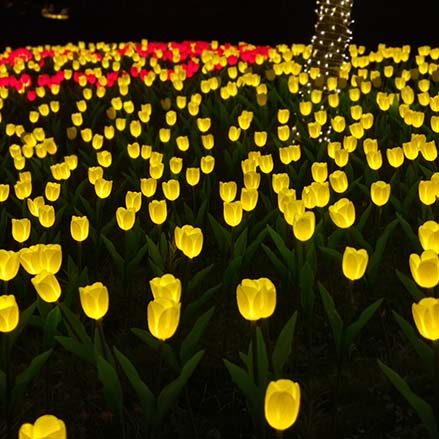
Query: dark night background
[[270, 22]]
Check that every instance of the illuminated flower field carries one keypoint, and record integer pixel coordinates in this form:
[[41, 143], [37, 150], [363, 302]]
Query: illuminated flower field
[[207, 240]]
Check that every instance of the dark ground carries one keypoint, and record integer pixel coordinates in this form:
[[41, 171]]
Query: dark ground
[[277, 21]]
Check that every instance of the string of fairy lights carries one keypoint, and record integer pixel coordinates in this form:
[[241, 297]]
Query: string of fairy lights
[[331, 39]]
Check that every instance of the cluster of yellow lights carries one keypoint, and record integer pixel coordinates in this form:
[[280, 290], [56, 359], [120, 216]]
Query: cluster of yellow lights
[[164, 119]]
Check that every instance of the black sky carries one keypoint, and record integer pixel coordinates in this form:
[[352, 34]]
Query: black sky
[[269, 22]]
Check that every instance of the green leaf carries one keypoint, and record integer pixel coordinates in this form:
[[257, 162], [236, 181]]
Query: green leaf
[[23, 380], [380, 246], [334, 238], [167, 352], [354, 329], [50, 328], [364, 217], [154, 254], [424, 350], [170, 393], [83, 351], [222, 235], [25, 315], [146, 397], [409, 233], [333, 254], [421, 407], [190, 342], [334, 318], [115, 255], [262, 359], [232, 273], [278, 265], [134, 262], [198, 279], [410, 286], [111, 385], [74, 324], [244, 382], [240, 244], [193, 309], [283, 347], [285, 252]]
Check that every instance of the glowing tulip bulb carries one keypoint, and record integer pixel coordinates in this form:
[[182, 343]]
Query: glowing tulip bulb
[[158, 211], [166, 286], [9, 264], [52, 191], [46, 216], [427, 192], [342, 213], [4, 192], [133, 200], [94, 300], [425, 268], [79, 228], [354, 263], [125, 217], [249, 199], [282, 403], [47, 286], [395, 156], [304, 225], [426, 316], [103, 187], [228, 191], [148, 186], [21, 229], [380, 192], [428, 234], [232, 212], [163, 316], [189, 240], [256, 298], [9, 313]]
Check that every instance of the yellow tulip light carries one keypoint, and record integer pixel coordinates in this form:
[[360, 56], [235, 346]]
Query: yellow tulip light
[[280, 181], [380, 192], [395, 156], [23, 189], [260, 138], [234, 133], [425, 268], [192, 176], [249, 199], [304, 225], [182, 143], [46, 216], [282, 403], [171, 189], [164, 135], [290, 154], [148, 186], [9, 313], [428, 234], [189, 240], [94, 173], [256, 298], [339, 181], [252, 180], [79, 228], [319, 171], [342, 213], [354, 263], [94, 300], [103, 187], [314, 130], [125, 217], [203, 124], [163, 316], [9, 264], [232, 212], [158, 211], [426, 317], [321, 193], [228, 190], [47, 286], [4, 192], [52, 191], [104, 158], [427, 192], [207, 164], [21, 229], [166, 286], [135, 128], [283, 133], [429, 151], [133, 200]]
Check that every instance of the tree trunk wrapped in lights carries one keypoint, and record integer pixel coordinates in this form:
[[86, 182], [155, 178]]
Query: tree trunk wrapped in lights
[[332, 36]]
